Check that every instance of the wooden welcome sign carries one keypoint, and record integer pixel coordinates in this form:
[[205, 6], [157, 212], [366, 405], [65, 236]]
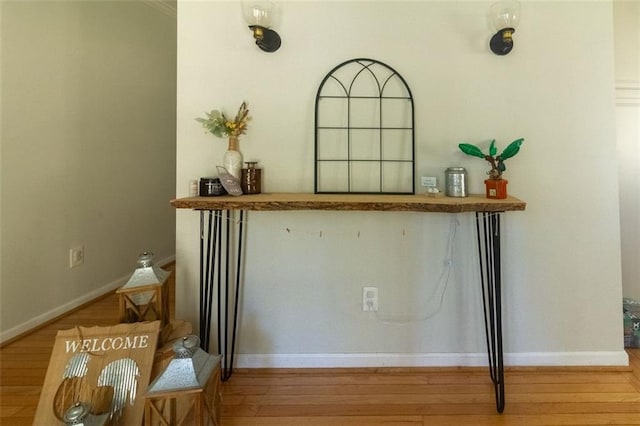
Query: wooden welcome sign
[[106, 369]]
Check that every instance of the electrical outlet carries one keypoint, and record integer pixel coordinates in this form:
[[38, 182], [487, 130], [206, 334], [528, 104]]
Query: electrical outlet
[[428, 181], [370, 299], [76, 256]]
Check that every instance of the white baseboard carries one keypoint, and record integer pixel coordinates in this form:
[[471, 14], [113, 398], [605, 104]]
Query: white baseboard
[[564, 359], [35, 322]]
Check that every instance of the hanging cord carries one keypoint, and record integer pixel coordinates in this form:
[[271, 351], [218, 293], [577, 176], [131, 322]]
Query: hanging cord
[[443, 282]]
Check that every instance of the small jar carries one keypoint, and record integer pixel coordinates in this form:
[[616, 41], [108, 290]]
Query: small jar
[[194, 188], [251, 181], [456, 182], [211, 186]]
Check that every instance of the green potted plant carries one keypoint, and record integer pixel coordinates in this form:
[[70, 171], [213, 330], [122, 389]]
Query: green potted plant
[[496, 186]]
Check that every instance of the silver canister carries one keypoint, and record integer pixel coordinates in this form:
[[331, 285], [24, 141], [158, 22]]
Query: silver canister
[[456, 182]]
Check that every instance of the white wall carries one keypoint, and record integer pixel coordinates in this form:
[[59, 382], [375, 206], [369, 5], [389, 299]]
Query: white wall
[[88, 150], [302, 295], [627, 71]]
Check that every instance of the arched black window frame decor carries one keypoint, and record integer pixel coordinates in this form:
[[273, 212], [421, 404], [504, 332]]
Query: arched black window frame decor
[[343, 78]]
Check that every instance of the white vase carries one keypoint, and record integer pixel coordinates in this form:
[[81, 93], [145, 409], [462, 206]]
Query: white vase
[[232, 159]]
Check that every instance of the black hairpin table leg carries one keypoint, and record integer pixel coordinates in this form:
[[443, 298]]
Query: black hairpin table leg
[[209, 231], [488, 233], [217, 269]]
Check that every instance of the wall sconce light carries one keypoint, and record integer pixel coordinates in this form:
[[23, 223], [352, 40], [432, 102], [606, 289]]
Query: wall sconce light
[[260, 15], [505, 16]]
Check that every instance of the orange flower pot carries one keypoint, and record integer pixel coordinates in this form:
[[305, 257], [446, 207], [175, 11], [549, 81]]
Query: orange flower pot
[[496, 188]]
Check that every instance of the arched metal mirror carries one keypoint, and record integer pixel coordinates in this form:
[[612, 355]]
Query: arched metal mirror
[[364, 130]]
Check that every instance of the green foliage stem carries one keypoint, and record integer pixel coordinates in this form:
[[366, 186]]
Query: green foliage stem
[[497, 162]]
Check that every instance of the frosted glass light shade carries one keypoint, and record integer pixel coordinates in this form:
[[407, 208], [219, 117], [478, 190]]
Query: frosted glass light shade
[[259, 12], [505, 14]]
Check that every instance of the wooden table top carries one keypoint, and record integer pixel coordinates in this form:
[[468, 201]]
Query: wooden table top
[[350, 202]]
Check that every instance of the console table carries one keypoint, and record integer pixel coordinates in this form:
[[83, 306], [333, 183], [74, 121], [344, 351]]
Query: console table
[[216, 260]]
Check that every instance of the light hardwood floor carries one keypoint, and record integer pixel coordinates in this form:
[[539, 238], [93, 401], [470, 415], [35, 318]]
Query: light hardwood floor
[[360, 397]]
